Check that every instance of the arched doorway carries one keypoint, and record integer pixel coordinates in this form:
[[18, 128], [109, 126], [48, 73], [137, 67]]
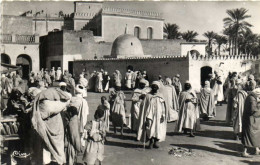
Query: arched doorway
[[5, 58], [137, 32], [194, 52], [25, 62], [204, 74]]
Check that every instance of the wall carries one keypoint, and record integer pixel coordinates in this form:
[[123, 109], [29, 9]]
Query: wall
[[32, 50], [17, 25], [160, 66], [112, 22], [42, 29], [162, 47], [186, 47], [87, 7], [226, 64]]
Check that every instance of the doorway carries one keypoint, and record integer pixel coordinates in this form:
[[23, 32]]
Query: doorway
[[25, 62], [204, 74]]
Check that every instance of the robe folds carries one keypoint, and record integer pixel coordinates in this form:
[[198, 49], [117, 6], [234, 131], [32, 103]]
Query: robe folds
[[152, 110], [135, 108], [83, 110], [239, 103], [232, 92], [251, 121], [47, 122], [171, 100], [207, 102], [73, 140], [188, 113], [106, 109], [118, 114], [99, 85], [218, 89]]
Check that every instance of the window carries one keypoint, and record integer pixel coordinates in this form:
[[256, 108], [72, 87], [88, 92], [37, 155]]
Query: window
[[149, 33], [137, 32], [80, 39]]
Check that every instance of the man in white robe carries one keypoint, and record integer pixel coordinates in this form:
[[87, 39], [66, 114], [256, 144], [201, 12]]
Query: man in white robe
[[153, 117]]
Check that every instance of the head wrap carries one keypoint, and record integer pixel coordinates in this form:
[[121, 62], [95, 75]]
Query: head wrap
[[62, 84], [251, 77], [41, 83], [33, 91], [142, 81], [257, 92], [207, 84], [81, 76], [156, 83], [79, 89], [168, 81], [177, 75]]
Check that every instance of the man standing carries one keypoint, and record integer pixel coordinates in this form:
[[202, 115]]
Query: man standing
[[153, 117], [128, 79], [177, 84], [251, 123]]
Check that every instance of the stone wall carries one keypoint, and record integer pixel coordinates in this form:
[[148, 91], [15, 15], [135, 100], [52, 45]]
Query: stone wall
[[112, 22], [167, 67], [17, 25], [162, 47]]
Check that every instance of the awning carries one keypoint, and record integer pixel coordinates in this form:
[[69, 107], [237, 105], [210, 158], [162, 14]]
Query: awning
[[7, 68]]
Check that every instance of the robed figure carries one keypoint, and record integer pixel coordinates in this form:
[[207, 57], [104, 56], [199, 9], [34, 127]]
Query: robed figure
[[251, 122], [238, 105], [207, 102], [153, 121], [188, 113], [171, 100]]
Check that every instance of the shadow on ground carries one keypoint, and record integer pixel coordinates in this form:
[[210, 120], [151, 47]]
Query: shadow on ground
[[221, 123], [250, 162], [207, 149], [226, 135]]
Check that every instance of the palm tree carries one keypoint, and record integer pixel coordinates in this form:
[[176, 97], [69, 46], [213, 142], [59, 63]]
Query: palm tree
[[220, 40], [229, 32], [236, 22], [172, 31], [189, 36], [210, 36], [249, 42]]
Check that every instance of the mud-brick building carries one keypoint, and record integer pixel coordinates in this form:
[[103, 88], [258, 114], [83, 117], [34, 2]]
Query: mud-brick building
[[192, 67]]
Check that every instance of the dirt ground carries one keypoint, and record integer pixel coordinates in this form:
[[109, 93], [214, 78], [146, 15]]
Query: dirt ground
[[213, 144]]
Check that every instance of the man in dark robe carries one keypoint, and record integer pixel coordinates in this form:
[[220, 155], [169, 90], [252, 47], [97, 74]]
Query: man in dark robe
[[251, 123]]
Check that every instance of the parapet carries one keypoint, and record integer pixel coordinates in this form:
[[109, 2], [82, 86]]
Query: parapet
[[226, 57], [130, 12]]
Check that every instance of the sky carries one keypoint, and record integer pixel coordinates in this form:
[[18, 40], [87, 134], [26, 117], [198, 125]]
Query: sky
[[200, 16]]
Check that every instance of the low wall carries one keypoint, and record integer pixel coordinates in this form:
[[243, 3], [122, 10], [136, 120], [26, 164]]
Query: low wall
[[167, 67]]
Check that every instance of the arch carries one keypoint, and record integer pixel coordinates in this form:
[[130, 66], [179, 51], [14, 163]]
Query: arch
[[5, 58], [25, 62], [130, 67], [137, 31], [204, 74], [195, 52], [149, 33]]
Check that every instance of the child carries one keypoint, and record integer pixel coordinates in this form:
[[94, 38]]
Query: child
[[72, 136], [105, 106], [118, 111], [94, 133]]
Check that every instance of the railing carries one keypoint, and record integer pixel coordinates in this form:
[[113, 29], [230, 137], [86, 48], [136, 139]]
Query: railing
[[108, 10], [19, 39], [25, 38], [7, 38]]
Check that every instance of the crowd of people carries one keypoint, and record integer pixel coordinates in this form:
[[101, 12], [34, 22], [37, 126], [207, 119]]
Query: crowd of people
[[54, 125]]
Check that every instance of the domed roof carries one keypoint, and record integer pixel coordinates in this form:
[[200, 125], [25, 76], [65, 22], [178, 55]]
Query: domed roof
[[125, 46]]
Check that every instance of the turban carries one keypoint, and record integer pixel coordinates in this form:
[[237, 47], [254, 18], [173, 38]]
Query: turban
[[142, 81], [257, 92], [62, 84], [251, 77], [79, 89], [156, 83], [177, 75], [207, 83], [33, 91], [168, 81]]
